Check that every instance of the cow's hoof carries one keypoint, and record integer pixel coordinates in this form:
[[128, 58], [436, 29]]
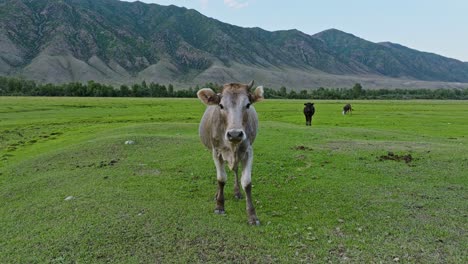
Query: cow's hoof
[[219, 211], [254, 223], [238, 196]]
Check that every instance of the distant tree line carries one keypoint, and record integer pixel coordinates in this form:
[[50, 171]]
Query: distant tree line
[[19, 87], [357, 92]]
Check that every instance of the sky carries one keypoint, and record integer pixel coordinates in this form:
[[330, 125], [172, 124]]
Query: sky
[[436, 26]]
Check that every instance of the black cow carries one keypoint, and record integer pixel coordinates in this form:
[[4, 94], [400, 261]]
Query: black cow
[[347, 108], [309, 111]]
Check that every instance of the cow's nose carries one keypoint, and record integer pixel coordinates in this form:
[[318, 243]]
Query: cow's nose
[[235, 135]]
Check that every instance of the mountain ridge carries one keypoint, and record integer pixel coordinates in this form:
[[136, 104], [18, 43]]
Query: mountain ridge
[[121, 42]]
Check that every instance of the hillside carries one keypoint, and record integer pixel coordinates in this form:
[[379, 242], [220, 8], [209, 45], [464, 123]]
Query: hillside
[[120, 42]]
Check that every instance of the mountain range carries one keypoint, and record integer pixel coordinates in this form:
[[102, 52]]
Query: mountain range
[[116, 42]]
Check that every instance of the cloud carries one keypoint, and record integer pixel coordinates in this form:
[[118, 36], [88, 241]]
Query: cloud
[[235, 4]]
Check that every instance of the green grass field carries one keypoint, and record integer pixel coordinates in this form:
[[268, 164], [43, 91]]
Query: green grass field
[[325, 193]]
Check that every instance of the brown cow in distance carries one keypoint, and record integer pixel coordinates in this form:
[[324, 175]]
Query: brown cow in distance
[[347, 109], [228, 129]]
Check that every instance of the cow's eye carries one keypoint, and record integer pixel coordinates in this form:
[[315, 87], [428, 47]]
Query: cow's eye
[[221, 106], [248, 106]]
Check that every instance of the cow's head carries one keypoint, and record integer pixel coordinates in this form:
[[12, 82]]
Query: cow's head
[[233, 103]]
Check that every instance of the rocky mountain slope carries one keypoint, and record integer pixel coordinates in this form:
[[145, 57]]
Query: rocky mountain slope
[[120, 42]]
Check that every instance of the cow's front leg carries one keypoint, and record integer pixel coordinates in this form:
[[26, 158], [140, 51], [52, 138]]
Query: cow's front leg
[[308, 120], [247, 186], [221, 177]]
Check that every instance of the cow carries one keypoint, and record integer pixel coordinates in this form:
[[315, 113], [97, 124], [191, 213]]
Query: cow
[[347, 108], [228, 129], [309, 111]]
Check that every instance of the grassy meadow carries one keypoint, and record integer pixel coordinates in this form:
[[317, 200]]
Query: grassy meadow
[[386, 184]]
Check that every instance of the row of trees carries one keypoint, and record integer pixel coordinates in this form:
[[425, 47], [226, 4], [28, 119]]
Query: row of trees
[[357, 92], [19, 87], [14, 86]]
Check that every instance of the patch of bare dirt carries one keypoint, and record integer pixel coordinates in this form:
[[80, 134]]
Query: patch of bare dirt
[[392, 156], [301, 147]]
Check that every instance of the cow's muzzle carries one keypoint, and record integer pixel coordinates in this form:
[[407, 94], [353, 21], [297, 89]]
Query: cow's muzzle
[[235, 135]]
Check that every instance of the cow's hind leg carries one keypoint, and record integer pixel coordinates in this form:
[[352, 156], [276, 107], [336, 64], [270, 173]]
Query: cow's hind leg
[[237, 193], [221, 177], [247, 186]]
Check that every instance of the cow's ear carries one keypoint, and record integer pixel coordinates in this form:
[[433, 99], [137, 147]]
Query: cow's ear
[[208, 96], [305, 104], [257, 95]]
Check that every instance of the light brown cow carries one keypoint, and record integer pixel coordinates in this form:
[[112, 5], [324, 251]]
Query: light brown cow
[[228, 128]]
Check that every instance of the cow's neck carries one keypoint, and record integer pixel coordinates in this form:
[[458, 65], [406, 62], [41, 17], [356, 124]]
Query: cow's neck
[[232, 154]]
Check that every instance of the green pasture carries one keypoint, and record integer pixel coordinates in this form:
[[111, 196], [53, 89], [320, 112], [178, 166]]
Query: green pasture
[[386, 184]]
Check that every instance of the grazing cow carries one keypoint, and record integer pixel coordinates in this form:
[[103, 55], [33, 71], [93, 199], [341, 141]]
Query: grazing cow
[[347, 108], [228, 128], [309, 111]]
